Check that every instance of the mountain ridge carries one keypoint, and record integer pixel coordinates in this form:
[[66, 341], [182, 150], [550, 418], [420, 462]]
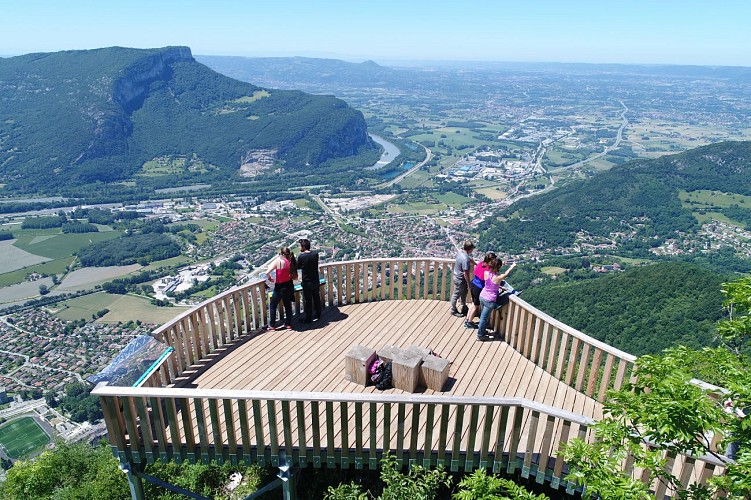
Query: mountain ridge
[[77, 118]]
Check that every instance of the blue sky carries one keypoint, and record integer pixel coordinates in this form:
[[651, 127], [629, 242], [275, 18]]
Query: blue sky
[[705, 32]]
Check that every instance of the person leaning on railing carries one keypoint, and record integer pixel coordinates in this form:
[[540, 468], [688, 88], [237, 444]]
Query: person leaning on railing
[[285, 267], [489, 294]]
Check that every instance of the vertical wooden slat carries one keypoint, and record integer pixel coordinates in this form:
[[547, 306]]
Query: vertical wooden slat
[[341, 288], [531, 327], [145, 425], [582, 365], [174, 430], [547, 439], [410, 291], [159, 428], [315, 413], [606, 374], [130, 414], [203, 436], [287, 428], [529, 449], [414, 433], [330, 448], [400, 425], [558, 469], [372, 459], [436, 272], [427, 459], [400, 280], [258, 424], [242, 408], [384, 265], [544, 343], [486, 431], [229, 429], [594, 372], [536, 345], [344, 413], [358, 436], [425, 279], [620, 374], [360, 280], [441, 461], [555, 335], [301, 438], [560, 363], [386, 427], [457, 433], [249, 324], [500, 434], [216, 430], [273, 431], [515, 438], [469, 458], [112, 419]]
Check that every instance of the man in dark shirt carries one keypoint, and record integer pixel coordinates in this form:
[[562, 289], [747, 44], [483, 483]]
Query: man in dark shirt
[[307, 261]]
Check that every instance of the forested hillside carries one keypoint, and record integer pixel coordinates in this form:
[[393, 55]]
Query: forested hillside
[[641, 311], [155, 118], [635, 205]]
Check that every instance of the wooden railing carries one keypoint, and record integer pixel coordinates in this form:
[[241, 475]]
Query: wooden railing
[[586, 364], [160, 420], [324, 429]]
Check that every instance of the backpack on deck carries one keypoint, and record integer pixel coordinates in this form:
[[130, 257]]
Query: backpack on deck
[[382, 375]]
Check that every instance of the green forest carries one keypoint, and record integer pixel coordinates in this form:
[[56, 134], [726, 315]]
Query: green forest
[[157, 103], [641, 311]]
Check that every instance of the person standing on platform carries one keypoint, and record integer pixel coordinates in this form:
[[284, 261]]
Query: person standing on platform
[[461, 278], [475, 287], [285, 266], [307, 261], [489, 295]]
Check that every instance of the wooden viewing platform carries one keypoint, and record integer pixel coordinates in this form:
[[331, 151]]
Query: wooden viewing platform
[[232, 391]]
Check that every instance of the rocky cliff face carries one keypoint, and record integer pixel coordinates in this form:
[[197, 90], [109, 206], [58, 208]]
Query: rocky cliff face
[[112, 127], [136, 79]]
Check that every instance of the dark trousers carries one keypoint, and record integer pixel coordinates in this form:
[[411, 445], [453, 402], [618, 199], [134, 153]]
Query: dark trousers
[[284, 292], [311, 300]]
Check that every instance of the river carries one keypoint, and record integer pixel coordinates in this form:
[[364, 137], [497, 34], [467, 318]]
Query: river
[[390, 151]]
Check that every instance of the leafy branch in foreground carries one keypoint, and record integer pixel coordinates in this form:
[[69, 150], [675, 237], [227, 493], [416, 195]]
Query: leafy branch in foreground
[[664, 413]]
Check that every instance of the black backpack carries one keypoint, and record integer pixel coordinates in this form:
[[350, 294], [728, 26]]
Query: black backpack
[[382, 377]]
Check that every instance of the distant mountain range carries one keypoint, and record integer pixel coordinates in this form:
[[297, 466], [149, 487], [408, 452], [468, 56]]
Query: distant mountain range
[[154, 118]]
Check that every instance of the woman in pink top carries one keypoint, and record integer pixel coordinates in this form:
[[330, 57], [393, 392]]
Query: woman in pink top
[[489, 293], [285, 266], [475, 287]]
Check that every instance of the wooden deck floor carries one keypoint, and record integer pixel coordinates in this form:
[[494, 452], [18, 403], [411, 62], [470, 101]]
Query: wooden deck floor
[[312, 358]]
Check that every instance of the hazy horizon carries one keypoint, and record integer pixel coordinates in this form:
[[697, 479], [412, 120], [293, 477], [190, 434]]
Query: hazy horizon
[[669, 32]]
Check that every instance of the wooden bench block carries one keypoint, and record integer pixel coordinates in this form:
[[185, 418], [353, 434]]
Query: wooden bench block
[[435, 372], [423, 353], [405, 370], [356, 364], [387, 352]]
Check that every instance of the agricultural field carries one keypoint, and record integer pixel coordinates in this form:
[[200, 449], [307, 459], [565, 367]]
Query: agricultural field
[[713, 199], [57, 246], [22, 438], [121, 308], [13, 258], [22, 292], [87, 277]]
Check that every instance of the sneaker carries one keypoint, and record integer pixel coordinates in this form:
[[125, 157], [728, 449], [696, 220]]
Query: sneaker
[[284, 327], [269, 328], [483, 338], [456, 313], [469, 324]]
